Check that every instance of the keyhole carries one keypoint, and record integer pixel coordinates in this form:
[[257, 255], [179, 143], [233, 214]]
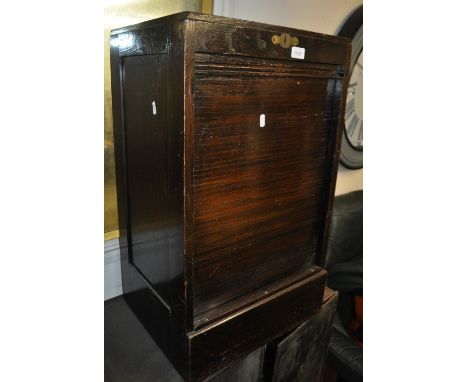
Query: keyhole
[[154, 108]]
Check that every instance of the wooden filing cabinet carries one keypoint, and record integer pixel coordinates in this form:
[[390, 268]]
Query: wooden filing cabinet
[[227, 136]]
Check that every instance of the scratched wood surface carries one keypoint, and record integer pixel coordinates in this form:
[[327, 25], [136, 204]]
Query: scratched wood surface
[[257, 192], [301, 356], [223, 221]]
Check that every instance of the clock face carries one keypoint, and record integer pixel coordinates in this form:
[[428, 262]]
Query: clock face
[[352, 145], [353, 115]]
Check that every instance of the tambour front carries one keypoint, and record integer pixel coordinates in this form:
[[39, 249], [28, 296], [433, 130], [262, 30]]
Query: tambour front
[[227, 136]]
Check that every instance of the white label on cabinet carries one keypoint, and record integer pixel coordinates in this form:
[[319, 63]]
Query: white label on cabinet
[[154, 108], [262, 120], [297, 52]]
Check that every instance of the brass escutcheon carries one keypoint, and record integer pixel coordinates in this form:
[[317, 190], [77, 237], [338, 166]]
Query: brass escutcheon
[[284, 40]]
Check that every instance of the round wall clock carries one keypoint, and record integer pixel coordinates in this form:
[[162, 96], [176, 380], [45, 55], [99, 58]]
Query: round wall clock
[[352, 141]]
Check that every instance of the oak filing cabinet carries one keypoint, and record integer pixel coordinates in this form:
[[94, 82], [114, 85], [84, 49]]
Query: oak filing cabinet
[[227, 136]]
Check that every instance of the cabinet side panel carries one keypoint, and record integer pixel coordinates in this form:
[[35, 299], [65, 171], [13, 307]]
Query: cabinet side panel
[[147, 67], [175, 120], [339, 107], [188, 118], [152, 85], [147, 164]]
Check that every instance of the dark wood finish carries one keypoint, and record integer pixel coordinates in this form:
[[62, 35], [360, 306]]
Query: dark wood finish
[[223, 222], [130, 354], [301, 356], [256, 191], [255, 325], [248, 369]]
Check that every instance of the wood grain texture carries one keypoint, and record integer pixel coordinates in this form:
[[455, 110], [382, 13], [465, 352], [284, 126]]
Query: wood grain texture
[[256, 42], [223, 222], [250, 328], [257, 192], [301, 356], [248, 368]]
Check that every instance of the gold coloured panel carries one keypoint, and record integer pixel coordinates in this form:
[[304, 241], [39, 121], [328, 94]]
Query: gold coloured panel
[[119, 13]]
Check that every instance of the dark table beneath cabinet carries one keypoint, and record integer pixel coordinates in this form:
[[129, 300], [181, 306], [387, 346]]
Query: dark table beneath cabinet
[[131, 355]]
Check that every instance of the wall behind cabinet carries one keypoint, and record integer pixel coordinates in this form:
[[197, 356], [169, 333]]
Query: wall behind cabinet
[[323, 16]]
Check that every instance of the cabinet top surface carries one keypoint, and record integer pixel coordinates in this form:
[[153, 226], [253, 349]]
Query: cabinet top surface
[[227, 21]]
